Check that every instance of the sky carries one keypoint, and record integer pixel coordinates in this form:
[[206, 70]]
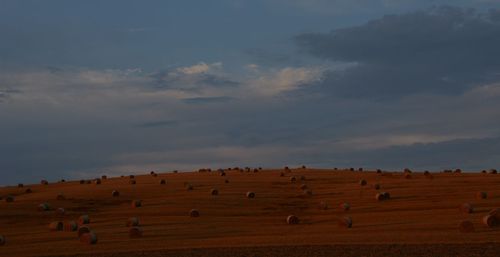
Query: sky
[[120, 87]]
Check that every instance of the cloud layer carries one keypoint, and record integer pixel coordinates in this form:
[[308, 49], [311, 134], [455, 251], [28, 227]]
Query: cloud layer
[[418, 90], [444, 50]]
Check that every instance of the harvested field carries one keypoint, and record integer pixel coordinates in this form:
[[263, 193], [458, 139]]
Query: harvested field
[[420, 216]]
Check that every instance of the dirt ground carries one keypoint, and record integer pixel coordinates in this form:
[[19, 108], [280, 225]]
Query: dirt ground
[[420, 219]]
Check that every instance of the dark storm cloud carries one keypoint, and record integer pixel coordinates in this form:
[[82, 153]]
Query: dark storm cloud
[[469, 154], [170, 79], [156, 124], [206, 100], [7, 92], [494, 15], [443, 50], [265, 57]]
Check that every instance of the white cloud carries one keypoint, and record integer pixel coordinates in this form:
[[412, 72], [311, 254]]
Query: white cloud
[[252, 67], [286, 79], [200, 68]]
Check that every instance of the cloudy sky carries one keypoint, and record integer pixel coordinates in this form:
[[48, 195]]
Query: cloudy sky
[[117, 87]]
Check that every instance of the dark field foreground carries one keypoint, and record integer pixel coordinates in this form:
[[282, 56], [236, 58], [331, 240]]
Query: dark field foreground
[[418, 250], [421, 218]]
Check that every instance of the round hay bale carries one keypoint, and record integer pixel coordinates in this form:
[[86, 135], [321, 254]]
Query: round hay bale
[[457, 171], [495, 212], [293, 179], [287, 169], [103, 177], [136, 203], [214, 191], [83, 220], [56, 226], [360, 169], [175, 171], [82, 182], [189, 187], [44, 182], [97, 181], [70, 226], [194, 213], [427, 173], [303, 186], [132, 182], [9, 199], [60, 211], [466, 227], [282, 174], [250, 195], [60, 197], [323, 206], [44, 207], [135, 232], [115, 193], [292, 220], [132, 222], [351, 169], [481, 195], [379, 171], [89, 238], [362, 182], [466, 208], [131, 177], [83, 230], [493, 171], [163, 182], [344, 222], [491, 221], [345, 206], [382, 196], [28, 191], [20, 185], [2, 240], [376, 186]]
